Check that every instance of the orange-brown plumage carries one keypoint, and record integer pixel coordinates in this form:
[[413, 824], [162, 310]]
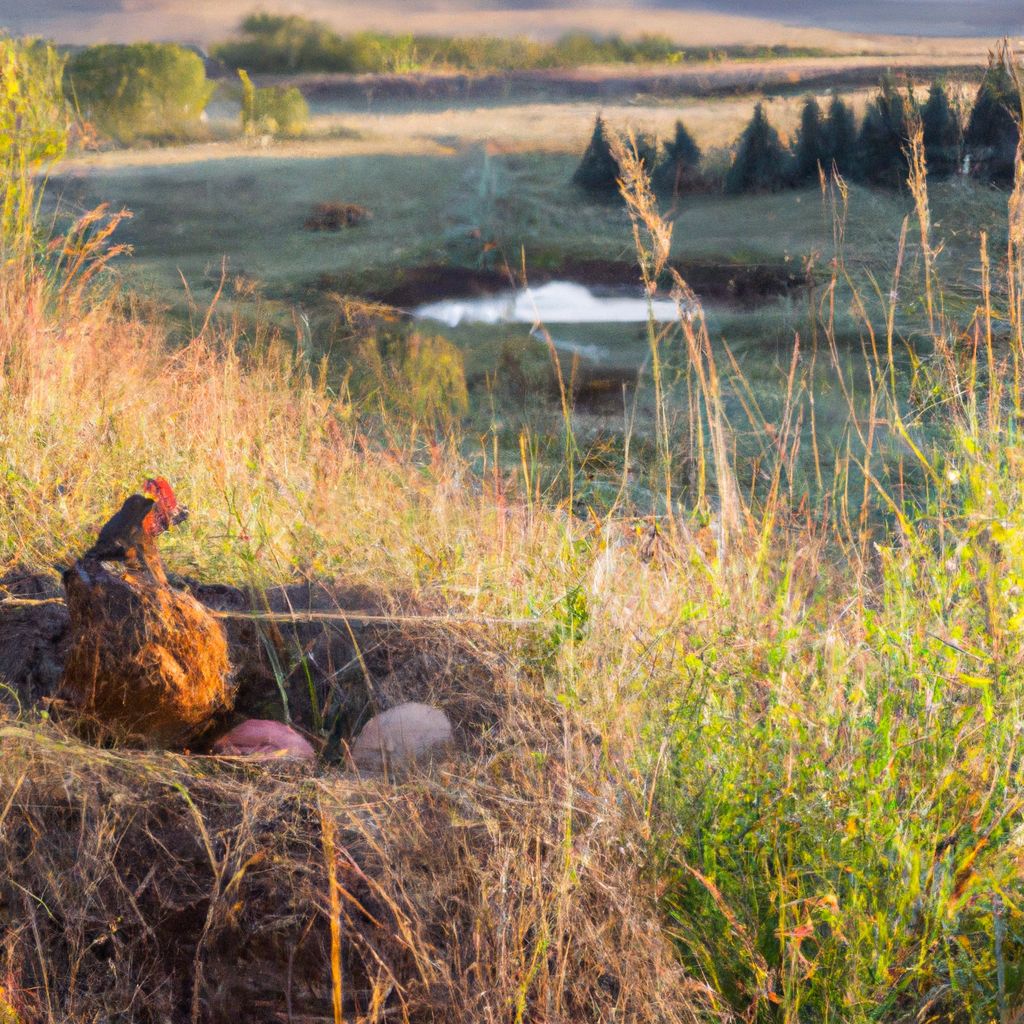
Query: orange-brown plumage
[[147, 662]]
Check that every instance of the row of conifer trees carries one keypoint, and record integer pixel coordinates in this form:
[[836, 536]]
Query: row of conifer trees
[[874, 152]]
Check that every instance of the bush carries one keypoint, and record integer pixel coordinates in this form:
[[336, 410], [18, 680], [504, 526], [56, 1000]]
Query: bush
[[272, 111], [598, 170], [274, 44], [992, 132], [680, 163], [943, 137], [812, 146], [420, 377], [33, 132], [883, 138], [761, 163], [841, 132], [145, 90]]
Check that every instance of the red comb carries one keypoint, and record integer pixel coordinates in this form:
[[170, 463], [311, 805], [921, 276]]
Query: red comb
[[166, 512]]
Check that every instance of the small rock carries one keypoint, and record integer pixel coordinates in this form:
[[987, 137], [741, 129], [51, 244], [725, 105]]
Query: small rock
[[264, 740], [401, 736]]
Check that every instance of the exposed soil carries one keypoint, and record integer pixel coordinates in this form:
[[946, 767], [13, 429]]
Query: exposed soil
[[184, 890], [332, 673], [744, 284]]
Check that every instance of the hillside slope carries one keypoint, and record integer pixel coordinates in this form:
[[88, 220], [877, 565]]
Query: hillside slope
[[845, 27]]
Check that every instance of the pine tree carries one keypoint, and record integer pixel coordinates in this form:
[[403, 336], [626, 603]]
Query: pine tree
[[598, 170], [841, 133], [883, 138], [812, 144], [992, 133], [943, 138], [647, 151], [680, 163], [761, 163]]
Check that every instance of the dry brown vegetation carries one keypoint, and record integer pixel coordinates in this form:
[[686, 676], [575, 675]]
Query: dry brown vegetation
[[511, 882], [506, 885]]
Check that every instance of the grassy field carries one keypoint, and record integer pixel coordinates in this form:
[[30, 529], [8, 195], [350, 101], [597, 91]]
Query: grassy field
[[443, 184], [486, 189], [740, 740], [757, 762]]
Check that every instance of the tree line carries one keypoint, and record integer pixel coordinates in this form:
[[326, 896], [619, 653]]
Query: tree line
[[983, 144]]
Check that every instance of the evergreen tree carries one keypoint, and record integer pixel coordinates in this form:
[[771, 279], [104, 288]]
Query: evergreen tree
[[992, 132], [883, 138], [841, 133], [647, 151], [761, 161], [942, 135], [598, 170], [680, 163], [812, 144]]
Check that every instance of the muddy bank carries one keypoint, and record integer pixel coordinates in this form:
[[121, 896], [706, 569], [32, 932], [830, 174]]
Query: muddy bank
[[746, 285]]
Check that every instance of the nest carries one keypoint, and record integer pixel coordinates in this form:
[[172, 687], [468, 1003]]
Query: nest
[[146, 663], [183, 891]]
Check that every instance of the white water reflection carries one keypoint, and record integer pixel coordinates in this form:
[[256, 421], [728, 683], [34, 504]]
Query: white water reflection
[[559, 302]]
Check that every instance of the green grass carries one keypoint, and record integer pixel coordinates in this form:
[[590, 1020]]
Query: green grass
[[188, 217]]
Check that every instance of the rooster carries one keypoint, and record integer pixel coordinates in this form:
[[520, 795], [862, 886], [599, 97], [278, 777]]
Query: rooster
[[147, 662]]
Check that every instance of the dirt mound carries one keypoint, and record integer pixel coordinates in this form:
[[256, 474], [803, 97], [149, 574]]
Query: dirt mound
[[336, 216], [450, 900], [324, 656], [505, 881]]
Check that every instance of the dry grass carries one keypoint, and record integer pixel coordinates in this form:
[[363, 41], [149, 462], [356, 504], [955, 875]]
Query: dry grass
[[146, 887], [505, 885]]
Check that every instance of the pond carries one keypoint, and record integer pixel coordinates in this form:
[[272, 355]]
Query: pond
[[558, 302], [606, 335]]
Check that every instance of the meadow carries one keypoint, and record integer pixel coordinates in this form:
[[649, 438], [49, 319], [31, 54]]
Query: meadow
[[742, 745], [470, 197]]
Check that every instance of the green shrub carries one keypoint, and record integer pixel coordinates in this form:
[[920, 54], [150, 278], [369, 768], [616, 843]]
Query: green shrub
[[419, 377], [761, 163], [33, 132], [943, 138], [680, 163], [992, 132], [275, 44], [272, 111], [598, 170], [144, 90]]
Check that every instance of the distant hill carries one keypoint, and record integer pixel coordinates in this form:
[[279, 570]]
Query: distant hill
[[699, 22]]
